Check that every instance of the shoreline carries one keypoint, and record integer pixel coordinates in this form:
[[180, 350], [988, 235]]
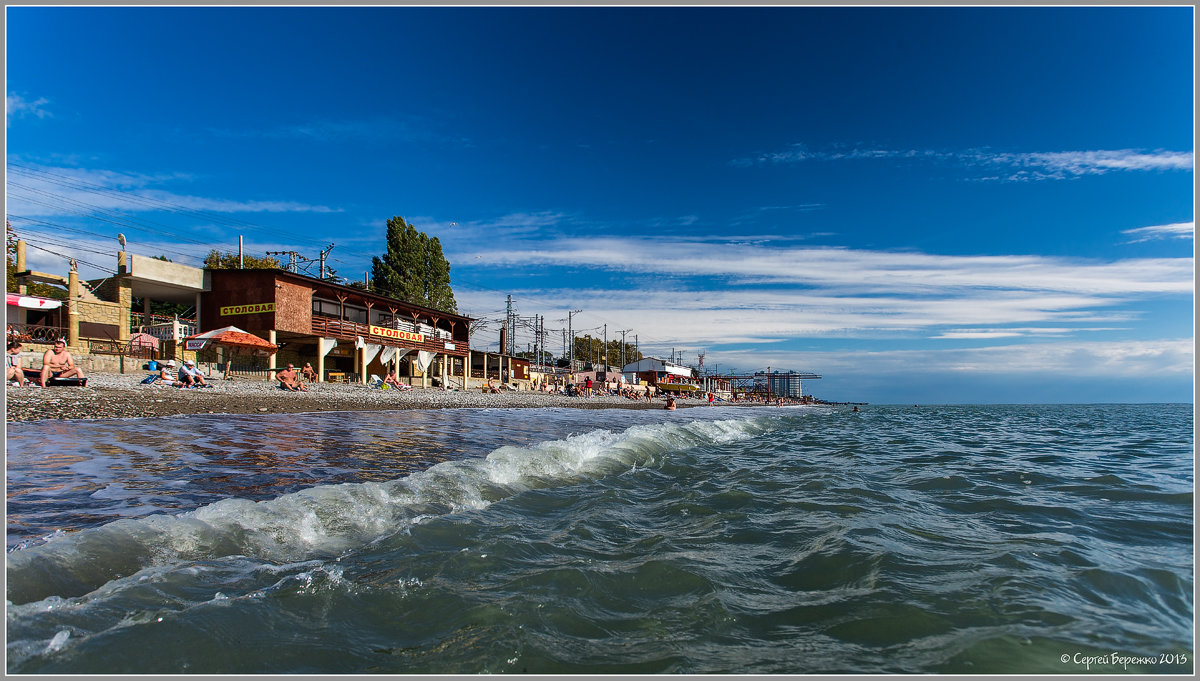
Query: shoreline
[[117, 396]]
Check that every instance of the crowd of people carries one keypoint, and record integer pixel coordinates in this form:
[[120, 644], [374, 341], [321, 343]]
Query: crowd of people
[[57, 363]]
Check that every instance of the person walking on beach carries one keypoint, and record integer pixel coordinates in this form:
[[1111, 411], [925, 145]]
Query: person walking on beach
[[12, 364], [587, 387], [58, 363]]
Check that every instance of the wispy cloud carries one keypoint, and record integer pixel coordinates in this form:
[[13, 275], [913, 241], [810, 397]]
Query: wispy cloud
[[16, 106], [856, 271], [373, 130], [44, 191], [1007, 166], [1163, 358], [1179, 230]]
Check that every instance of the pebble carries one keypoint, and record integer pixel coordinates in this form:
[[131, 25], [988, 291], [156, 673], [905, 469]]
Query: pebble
[[109, 396]]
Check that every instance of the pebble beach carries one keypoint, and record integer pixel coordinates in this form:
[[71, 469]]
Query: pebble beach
[[115, 396]]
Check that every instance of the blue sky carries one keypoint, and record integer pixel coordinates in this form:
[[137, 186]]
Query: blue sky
[[923, 205]]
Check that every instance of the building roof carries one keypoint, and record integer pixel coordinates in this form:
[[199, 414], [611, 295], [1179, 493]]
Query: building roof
[[314, 282]]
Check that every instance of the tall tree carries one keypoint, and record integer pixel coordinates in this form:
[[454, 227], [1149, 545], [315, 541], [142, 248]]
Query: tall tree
[[413, 268]]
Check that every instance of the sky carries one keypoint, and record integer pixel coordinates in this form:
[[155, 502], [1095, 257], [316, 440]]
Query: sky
[[920, 204]]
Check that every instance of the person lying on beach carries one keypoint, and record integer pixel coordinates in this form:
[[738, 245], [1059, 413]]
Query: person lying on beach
[[308, 373], [58, 363], [190, 376], [288, 380], [12, 364]]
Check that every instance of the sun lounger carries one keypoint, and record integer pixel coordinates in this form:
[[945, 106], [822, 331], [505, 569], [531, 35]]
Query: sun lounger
[[35, 375]]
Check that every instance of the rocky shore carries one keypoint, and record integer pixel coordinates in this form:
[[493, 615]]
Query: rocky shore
[[114, 396]]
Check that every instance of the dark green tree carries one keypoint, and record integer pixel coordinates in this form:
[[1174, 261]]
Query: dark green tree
[[10, 279], [413, 268]]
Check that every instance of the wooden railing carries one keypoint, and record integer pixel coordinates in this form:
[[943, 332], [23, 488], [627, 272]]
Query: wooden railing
[[346, 330]]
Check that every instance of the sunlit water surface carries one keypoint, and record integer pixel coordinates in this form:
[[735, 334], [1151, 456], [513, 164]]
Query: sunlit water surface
[[965, 539]]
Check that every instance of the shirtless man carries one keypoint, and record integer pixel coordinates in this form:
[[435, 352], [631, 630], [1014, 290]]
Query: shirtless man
[[288, 380], [309, 373], [58, 363], [394, 381]]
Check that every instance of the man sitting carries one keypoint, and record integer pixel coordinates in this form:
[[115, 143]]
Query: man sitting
[[12, 364], [309, 373], [58, 363], [288, 380], [190, 376], [394, 380]]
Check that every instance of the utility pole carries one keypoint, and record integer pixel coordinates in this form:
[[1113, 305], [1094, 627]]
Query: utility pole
[[623, 332], [571, 331], [606, 348], [512, 330], [324, 254], [293, 258]]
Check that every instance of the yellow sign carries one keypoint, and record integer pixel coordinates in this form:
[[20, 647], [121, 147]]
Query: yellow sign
[[247, 309], [397, 334]]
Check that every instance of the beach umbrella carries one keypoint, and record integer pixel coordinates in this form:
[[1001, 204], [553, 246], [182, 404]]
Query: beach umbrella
[[230, 337], [31, 302]]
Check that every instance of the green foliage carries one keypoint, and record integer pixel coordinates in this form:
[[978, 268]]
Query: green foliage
[[10, 270], [413, 269], [217, 260], [588, 349]]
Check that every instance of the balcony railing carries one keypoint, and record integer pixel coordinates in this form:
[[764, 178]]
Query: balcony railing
[[330, 327], [36, 333], [171, 330]]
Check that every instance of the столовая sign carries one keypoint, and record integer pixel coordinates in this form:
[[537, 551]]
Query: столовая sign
[[397, 334], [253, 308]]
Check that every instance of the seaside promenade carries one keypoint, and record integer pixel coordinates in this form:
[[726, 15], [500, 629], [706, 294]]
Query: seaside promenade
[[110, 396]]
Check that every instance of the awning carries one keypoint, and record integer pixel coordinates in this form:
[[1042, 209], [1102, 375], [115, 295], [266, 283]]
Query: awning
[[32, 302]]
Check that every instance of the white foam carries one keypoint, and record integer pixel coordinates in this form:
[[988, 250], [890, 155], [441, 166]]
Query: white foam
[[328, 520]]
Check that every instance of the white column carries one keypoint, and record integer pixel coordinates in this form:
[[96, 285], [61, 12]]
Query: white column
[[271, 359]]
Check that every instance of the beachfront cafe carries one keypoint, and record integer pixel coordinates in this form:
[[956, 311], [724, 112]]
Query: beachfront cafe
[[663, 375], [346, 333]]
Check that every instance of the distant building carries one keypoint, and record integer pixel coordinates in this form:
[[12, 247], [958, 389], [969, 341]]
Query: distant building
[[662, 374], [785, 384]]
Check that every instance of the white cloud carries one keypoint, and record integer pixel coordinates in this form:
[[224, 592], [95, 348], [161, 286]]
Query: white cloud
[[855, 271], [16, 106], [40, 191], [1009, 166], [1162, 358], [1179, 230]]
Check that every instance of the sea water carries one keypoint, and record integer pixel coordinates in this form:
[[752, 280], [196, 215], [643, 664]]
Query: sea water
[[932, 539]]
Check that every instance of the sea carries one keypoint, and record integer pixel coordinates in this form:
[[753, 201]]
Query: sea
[[959, 539]]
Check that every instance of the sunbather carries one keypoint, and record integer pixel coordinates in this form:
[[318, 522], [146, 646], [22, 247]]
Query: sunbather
[[12, 364], [289, 380], [58, 363]]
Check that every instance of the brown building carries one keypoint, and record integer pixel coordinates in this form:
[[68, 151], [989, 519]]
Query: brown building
[[346, 333]]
